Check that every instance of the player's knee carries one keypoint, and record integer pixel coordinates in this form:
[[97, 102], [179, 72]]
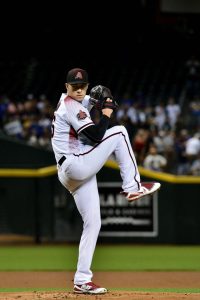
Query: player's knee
[[122, 129], [93, 223]]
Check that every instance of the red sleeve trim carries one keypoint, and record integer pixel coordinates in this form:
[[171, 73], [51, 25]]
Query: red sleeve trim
[[85, 126]]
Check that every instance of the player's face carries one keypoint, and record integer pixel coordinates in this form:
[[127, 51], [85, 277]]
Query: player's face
[[77, 91]]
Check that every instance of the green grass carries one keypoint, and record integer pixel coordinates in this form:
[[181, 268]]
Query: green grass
[[164, 290], [106, 258]]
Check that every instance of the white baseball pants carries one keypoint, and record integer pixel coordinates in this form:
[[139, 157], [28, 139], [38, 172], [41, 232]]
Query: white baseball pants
[[78, 175]]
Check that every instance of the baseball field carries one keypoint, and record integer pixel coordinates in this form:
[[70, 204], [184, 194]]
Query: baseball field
[[128, 271]]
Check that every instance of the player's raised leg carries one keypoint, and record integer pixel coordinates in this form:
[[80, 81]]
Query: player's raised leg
[[92, 159]]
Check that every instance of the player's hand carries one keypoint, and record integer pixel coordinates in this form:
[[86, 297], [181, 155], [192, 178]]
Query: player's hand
[[107, 110], [99, 96]]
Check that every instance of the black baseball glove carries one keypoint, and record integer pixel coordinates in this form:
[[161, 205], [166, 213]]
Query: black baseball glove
[[98, 96]]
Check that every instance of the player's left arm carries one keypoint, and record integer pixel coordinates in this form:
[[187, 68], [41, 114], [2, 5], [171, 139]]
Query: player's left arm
[[96, 132], [87, 103]]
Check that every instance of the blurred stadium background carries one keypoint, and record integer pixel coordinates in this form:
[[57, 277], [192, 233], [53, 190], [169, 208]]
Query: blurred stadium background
[[149, 55]]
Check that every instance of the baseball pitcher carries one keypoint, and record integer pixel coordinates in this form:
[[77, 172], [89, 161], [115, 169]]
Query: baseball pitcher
[[81, 148]]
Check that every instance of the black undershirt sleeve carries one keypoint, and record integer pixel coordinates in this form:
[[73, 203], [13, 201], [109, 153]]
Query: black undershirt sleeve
[[96, 132]]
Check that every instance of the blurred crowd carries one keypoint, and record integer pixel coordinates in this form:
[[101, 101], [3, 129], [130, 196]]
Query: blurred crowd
[[28, 120], [163, 138], [165, 135]]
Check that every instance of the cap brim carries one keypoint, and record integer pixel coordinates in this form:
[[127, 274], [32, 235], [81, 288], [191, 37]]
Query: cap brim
[[77, 82]]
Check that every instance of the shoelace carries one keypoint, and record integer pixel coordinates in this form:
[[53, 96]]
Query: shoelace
[[92, 284]]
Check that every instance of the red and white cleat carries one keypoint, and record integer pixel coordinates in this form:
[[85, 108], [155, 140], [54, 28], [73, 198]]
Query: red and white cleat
[[89, 288], [147, 188]]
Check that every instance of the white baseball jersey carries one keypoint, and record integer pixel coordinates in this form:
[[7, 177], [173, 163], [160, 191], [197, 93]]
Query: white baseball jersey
[[70, 118]]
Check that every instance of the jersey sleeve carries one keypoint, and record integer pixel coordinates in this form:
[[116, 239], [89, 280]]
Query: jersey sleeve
[[78, 116]]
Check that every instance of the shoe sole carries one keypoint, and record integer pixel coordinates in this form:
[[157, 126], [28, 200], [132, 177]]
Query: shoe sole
[[150, 193], [91, 293]]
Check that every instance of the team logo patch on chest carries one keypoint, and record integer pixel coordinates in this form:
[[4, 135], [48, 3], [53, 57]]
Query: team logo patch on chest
[[81, 115]]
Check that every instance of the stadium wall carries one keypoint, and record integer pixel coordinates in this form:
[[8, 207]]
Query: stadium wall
[[33, 203]]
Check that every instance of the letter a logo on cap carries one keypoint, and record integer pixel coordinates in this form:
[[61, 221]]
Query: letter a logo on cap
[[79, 76]]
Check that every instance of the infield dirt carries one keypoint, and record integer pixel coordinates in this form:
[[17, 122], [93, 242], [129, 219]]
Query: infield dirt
[[114, 281]]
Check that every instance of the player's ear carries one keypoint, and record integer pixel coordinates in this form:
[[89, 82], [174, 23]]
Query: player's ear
[[66, 85]]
